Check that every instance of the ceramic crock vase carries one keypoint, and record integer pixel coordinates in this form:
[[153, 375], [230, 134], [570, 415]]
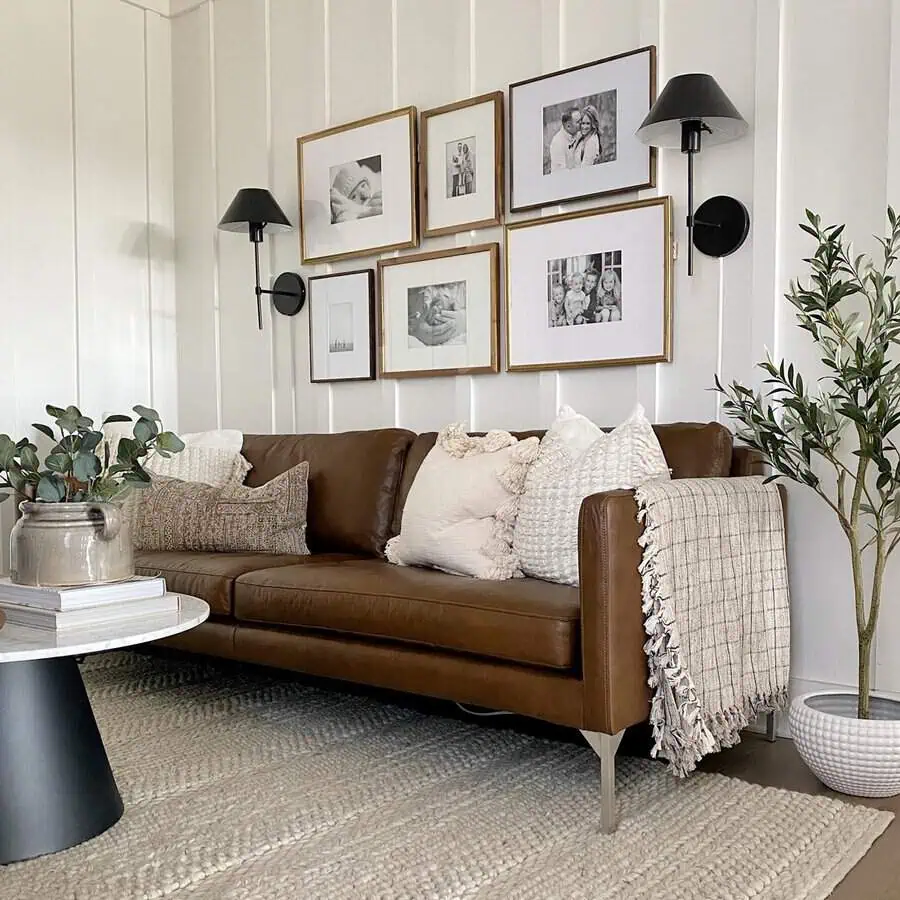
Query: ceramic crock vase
[[70, 544], [854, 756]]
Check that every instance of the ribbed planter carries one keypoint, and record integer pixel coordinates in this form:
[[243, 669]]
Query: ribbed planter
[[854, 756]]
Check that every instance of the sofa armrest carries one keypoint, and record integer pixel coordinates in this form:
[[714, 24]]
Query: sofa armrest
[[614, 665]]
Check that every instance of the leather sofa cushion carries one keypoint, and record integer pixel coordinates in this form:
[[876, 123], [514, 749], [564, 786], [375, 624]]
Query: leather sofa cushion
[[353, 480], [521, 620], [210, 576], [692, 450]]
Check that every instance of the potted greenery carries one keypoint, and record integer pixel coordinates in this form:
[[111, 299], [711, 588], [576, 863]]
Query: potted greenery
[[837, 435], [72, 530]]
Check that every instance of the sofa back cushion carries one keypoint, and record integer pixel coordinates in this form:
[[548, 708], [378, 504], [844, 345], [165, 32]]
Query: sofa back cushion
[[692, 450], [353, 482]]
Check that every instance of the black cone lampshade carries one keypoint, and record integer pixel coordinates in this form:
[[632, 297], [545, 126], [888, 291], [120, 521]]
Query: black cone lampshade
[[690, 110], [255, 210]]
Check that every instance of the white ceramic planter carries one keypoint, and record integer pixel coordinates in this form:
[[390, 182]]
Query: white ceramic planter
[[854, 756]]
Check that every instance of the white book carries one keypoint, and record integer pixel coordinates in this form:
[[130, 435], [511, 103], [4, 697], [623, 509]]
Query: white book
[[88, 616], [141, 587]]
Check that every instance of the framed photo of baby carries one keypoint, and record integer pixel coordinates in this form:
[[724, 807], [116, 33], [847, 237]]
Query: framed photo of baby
[[591, 288], [358, 188], [439, 312], [572, 132], [461, 183]]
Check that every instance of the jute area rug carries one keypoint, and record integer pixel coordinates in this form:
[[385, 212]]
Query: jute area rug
[[242, 784]]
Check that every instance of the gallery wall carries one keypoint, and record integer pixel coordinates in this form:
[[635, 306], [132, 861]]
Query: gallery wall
[[87, 274], [812, 77]]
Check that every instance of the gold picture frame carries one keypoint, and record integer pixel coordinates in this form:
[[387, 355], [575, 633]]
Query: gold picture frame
[[663, 279], [317, 210], [497, 180], [408, 307]]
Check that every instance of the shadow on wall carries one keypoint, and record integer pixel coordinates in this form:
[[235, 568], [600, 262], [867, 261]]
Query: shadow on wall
[[139, 236]]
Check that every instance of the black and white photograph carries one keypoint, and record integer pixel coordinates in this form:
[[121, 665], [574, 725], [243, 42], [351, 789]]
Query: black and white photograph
[[461, 157], [436, 314], [440, 312], [590, 287], [356, 189], [358, 185], [461, 167], [572, 132], [580, 133], [585, 290], [340, 328]]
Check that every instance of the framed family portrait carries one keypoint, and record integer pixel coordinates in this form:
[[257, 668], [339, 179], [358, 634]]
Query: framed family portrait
[[358, 187], [461, 182], [572, 133], [342, 326], [590, 288], [439, 312]]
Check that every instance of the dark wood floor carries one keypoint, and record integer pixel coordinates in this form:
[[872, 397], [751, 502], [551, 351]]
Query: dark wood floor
[[877, 875]]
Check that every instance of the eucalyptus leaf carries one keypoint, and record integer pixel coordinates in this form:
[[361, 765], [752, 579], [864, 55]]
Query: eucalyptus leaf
[[46, 430], [85, 467], [143, 431], [58, 462], [145, 412], [51, 489]]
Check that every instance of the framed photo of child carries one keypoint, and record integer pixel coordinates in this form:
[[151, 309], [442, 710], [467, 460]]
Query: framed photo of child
[[572, 133], [342, 326], [358, 187], [590, 288], [439, 312], [461, 181]]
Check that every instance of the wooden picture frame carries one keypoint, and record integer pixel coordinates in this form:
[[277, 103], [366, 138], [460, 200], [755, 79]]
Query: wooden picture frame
[[567, 312], [356, 290], [358, 188], [605, 102], [478, 189], [439, 313]]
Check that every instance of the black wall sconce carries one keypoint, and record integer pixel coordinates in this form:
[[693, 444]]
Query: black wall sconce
[[692, 109], [255, 210]]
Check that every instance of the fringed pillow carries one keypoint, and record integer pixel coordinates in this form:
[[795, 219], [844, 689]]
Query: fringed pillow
[[461, 509]]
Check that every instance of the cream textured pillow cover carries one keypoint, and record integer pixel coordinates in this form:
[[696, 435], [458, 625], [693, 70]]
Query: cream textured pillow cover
[[211, 457], [462, 505], [183, 515], [577, 459]]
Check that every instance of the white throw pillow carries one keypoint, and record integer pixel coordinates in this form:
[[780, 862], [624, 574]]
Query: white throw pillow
[[210, 457], [461, 508], [577, 459]]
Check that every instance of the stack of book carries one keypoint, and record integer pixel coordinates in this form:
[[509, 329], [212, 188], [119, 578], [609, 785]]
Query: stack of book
[[67, 609]]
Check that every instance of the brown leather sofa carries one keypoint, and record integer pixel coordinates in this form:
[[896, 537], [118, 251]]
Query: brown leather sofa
[[571, 656]]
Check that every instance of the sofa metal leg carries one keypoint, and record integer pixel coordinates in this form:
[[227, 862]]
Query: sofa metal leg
[[770, 727], [605, 746]]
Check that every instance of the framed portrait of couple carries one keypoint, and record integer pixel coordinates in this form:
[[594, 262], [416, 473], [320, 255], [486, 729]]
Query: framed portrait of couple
[[357, 187], [439, 312], [572, 133]]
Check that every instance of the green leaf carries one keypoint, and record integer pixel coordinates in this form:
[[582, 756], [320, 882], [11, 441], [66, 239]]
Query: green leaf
[[86, 467], [169, 441], [143, 430], [84, 423], [58, 462], [126, 453], [116, 418], [145, 412], [91, 440], [46, 430], [29, 459], [56, 411], [51, 489]]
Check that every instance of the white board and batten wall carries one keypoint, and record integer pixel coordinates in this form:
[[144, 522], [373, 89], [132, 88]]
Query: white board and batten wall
[[87, 271]]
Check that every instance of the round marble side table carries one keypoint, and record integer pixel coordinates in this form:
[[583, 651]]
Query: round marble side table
[[56, 785]]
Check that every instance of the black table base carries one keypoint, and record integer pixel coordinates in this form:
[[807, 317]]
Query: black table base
[[56, 786]]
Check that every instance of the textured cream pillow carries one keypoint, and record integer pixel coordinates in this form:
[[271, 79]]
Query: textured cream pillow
[[577, 459], [184, 515], [462, 505], [211, 457]]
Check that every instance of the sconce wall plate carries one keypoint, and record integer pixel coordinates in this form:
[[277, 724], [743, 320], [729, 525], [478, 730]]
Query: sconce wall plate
[[288, 293], [721, 225]]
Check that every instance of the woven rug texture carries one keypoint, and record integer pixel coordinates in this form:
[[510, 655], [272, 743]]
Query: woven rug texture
[[243, 785]]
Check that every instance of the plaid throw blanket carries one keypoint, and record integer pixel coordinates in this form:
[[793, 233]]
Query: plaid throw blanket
[[715, 601]]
